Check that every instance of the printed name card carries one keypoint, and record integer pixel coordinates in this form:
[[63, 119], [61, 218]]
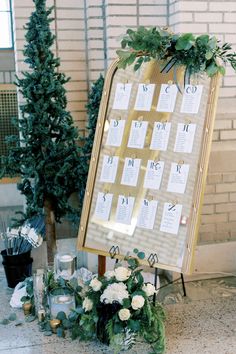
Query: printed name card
[[178, 178], [160, 136], [147, 214], [103, 206], [185, 137], [122, 96], [109, 169], [167, 98], [144, 97], [171, 218], [130, 171], [137, 134], [124, 209], [191, 99], [115, 132], [153, 175]]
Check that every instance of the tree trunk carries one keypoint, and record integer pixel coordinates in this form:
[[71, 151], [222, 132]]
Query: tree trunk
[[50, 231]]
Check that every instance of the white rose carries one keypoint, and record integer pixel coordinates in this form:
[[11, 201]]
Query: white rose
[[149, 289], [124, 314], [87, 304], [122, 273], [109, 274], [137, 302], [95, 284]]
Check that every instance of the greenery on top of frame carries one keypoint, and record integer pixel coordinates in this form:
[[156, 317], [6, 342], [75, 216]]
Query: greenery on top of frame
[[198, 54]]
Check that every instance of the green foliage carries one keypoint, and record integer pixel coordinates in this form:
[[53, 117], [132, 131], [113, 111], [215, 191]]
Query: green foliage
[[48, 155], [197, 53]]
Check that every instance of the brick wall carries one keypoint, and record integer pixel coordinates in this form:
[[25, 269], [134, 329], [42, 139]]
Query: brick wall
[[217, 18]]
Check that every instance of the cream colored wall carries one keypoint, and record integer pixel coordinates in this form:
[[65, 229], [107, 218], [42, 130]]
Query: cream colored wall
[[88, 34]]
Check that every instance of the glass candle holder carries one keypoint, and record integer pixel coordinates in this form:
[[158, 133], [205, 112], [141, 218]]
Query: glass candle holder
[[65, 265], [38, 281], [63, 302]]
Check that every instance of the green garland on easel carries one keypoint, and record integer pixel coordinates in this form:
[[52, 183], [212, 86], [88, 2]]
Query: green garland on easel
[[198, 54]]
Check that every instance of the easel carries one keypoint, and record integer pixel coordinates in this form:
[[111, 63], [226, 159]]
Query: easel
[[152, 260]]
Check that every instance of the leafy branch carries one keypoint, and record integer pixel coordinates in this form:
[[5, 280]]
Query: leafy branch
[[198, 54]]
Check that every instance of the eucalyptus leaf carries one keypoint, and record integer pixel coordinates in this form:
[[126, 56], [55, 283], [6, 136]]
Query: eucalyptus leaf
[[30, 318], [141, 255], [5, 321], [47, 333], [61, 315], [12, 317], [60, 332]]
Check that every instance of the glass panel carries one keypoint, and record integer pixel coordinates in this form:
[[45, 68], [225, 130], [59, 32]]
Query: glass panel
[[4, 5], [104, 231], [5, 33]]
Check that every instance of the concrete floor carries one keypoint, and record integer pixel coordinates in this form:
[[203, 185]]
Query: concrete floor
[[203, 322]]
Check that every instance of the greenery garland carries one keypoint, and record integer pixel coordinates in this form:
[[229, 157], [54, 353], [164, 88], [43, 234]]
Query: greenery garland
[[198, 54]]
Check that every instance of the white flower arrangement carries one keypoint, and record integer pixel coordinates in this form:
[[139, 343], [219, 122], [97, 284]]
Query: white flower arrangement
[[87, 304], [137, 302], [95, 284], [149, 289], [115, 292], [122, 273], [124, 314]]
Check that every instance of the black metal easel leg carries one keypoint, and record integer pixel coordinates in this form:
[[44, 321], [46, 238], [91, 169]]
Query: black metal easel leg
[[155, 284], [183, 284]]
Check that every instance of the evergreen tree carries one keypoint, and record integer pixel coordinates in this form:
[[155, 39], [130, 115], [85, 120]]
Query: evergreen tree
[[46, 156]]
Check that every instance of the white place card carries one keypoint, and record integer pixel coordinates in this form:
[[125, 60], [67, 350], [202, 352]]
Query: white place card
[[160, 136], [147, 214], [137, 134], [103, 206], [131, 171], [144, 97], [167, 98], [185, 137], [153, 175], [191, 99], [122, 96], [171, 218], [124, 209], [115, 132], [109, 168], [178, 178]]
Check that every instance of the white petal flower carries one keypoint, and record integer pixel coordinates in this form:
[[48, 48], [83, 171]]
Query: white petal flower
[[115, 292], [137, 302], [95, 284], [124, 314], [149, 289], [109, 274], [87, 304], [122, 273]]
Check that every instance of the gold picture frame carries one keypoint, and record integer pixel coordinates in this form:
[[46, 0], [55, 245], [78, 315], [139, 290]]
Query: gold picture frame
[[174, 252]]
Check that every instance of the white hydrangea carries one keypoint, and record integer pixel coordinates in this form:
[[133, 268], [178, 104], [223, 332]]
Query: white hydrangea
[[109, 274], [137, 302], [122, 273], [114, 292], [124, 314], [149, 289], [95, 284], [87, 304]]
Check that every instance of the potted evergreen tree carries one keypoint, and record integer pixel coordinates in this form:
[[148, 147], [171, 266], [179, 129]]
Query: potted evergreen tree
[[46, 155]]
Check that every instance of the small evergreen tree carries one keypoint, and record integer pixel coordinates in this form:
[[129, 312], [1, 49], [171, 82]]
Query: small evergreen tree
[[47, 156]]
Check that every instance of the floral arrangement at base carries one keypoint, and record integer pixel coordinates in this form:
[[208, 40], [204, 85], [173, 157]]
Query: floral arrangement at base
[[117, 309]]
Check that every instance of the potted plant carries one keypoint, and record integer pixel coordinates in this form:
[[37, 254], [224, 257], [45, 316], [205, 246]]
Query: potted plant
[[18, 242]]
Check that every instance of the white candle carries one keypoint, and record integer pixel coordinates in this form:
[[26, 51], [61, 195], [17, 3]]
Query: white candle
[[66, 258], [61, 303]]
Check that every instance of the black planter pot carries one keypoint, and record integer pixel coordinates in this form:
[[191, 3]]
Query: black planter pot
[[105, 313], [17, 267]]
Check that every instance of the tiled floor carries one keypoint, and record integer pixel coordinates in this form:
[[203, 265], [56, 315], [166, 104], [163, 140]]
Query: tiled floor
[[202, 323]]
